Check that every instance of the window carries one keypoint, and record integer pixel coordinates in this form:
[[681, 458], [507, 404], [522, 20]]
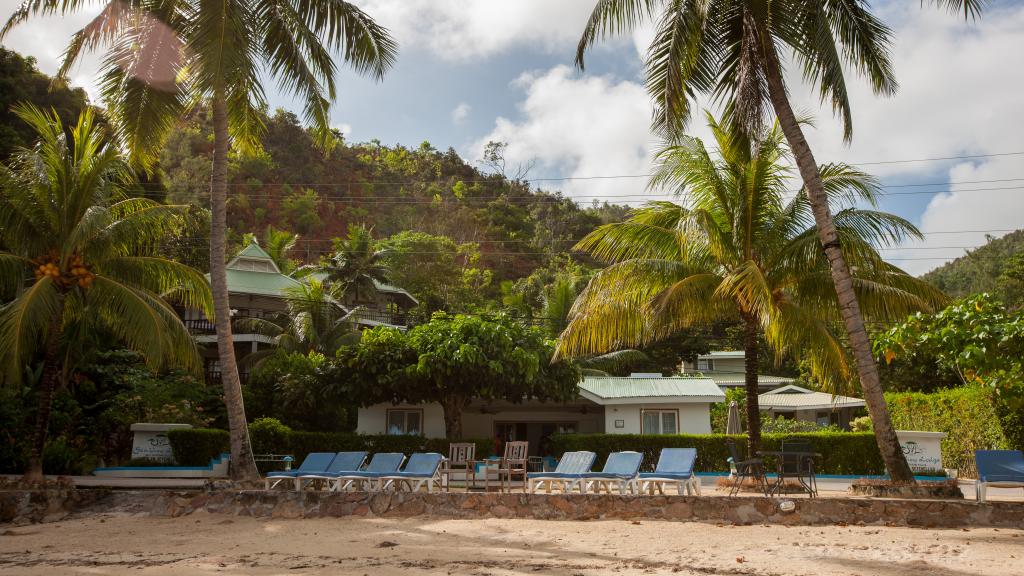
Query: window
[[660, 421], [705, 364], [405, 422]]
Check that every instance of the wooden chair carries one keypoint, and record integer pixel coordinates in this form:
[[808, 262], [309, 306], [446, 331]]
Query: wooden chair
[[462, 461], [514, 462]]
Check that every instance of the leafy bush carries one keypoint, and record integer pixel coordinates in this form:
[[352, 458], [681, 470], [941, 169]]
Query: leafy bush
[[782, 425], [862, 424], [968, 416], [197, 446], [842, 452], [61, 457], [268, 436]]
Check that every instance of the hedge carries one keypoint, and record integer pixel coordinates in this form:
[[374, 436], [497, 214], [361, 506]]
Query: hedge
[[842, 452], [197, 446], [966, 414]]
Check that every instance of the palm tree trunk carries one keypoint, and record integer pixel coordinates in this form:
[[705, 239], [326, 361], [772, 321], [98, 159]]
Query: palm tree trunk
[[47, 384], [867, 369], [243, 466], [751, 368]]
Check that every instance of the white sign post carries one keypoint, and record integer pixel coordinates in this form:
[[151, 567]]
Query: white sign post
[[150, 441], [922, 450]]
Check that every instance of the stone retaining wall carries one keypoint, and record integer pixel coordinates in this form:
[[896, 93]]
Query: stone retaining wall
[[34, 506], [742, 510]]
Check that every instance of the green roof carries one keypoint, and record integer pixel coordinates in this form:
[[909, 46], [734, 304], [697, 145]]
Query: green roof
[[261, 283], [633, 390], [242, 279]]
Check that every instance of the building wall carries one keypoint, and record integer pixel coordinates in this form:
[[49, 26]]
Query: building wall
[[373, 419], [694, 418]]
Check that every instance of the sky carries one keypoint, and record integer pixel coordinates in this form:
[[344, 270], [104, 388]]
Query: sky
[[473, 71]]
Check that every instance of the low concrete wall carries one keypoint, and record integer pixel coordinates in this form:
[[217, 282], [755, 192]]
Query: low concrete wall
[[743, 510]]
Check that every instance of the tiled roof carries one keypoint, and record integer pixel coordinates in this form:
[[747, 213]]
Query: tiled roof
[[723, 354], [739, 379], [619, 390], [260, 283]]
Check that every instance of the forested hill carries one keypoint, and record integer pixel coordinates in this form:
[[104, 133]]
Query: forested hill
[[997, 268]]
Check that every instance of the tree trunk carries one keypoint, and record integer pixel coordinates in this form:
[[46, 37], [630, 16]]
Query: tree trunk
[[867, 369], [48, 383], [242, 464], [452, 418], [751, 368]]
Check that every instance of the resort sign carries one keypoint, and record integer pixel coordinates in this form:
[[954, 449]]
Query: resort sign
[[149, 441], [922, 449]]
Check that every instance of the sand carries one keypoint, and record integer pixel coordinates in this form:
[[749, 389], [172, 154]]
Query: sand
[[213, 544]]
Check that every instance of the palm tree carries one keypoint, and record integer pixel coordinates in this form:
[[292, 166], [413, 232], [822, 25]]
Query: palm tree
[[315, 322], [164, 57], [356, 267], [729, 50], [78, 253], [737, 248], [278, 244]]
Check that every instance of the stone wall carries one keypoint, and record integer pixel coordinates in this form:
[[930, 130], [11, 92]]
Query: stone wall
[[34, 506], [718, 509]]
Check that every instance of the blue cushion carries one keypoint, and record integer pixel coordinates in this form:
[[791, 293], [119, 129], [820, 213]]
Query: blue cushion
[[621, 464], [384, 462], [608, 475], [1000, 465], [283, 474], [676, 461], [554, 475]]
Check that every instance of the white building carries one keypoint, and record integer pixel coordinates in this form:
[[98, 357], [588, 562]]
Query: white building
[[639, 404], [728, 369]]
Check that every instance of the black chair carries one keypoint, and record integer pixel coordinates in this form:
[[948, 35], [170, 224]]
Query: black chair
[[796, 461], [746, 468]]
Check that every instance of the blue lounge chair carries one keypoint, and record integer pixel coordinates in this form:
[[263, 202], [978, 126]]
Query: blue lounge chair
[[314, 462], [620, 470], [675, 466], [423, 468], [381, 464], [343, 463], [999, 468], [570, 468]]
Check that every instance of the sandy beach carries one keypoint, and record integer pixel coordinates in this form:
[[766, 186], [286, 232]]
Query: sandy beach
[[213, 544]]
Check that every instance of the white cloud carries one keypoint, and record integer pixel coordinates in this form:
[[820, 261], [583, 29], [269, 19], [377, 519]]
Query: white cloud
[[962, 218], [46, 38], [345, 128], [579, 126], [458, 30], [461, 112]]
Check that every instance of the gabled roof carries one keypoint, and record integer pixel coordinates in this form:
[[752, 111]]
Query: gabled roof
[[733, 379], [795, 397], [253, 271], [606, 390]]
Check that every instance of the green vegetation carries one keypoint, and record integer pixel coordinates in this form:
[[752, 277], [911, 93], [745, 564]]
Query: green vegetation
[[842, 452], [996, 268], [967, 415], [738, 250], [977, 340], [82, 259], [453, 360]]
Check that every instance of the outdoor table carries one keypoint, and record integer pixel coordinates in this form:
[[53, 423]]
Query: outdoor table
[[804, 470]]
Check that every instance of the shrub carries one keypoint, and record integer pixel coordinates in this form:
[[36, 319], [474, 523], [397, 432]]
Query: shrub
[[967, 415], [197, 446], [269, 436], [842, 452]]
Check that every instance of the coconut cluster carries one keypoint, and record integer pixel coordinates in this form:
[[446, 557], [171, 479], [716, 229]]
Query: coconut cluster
[[75, 273]]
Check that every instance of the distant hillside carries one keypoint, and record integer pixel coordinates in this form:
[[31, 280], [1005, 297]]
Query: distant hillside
[[997, 268]]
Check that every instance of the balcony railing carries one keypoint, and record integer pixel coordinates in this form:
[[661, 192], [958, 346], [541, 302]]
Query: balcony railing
[[367, 316], [200, 326]]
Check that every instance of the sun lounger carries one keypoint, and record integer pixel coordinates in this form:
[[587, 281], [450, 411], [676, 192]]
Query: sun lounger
[[343, 463], [314, 462], [675, 466], [381, 464], [423, 468], [999, 468], [570, 468], [620, 470]]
